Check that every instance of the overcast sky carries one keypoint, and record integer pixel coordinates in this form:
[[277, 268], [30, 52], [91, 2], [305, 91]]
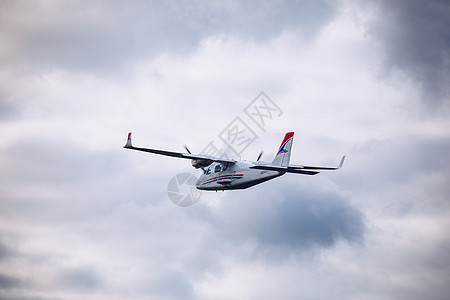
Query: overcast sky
[[83, 218]]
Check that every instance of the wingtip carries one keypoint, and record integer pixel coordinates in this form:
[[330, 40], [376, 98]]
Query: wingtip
[[342, 162]]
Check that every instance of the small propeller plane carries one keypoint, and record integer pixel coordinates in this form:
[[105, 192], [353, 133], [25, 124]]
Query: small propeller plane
[[228, 174]]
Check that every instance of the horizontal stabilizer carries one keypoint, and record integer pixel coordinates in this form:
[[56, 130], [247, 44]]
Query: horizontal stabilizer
[[321, 168], [298, 169]]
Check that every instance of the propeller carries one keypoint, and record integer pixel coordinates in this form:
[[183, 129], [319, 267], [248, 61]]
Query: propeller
[[259, 156], [187, 149]]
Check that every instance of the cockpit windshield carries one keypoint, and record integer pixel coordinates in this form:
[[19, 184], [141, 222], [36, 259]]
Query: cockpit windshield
[[218, 168]]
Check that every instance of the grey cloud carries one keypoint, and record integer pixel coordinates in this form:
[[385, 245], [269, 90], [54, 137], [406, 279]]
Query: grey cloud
[[7, 109], [8, 282], [171, 283], [262, 21], [5, 251], [56, 160], [106, 36], [394, 164], [46, 173], [294, 220], [415, 37], [80, 278]]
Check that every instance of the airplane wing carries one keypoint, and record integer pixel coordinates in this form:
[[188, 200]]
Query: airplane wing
[[298, 169], [201, 160]]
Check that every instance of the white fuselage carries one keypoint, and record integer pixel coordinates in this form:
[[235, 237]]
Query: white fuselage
[[219, 176]]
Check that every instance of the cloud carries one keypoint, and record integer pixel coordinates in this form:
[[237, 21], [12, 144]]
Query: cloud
[[5, 251], [80, 278], [415, 39], [295, 220], [105, 36], [8, 282]]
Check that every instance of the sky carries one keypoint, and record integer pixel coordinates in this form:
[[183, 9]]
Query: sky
[[81, 217]]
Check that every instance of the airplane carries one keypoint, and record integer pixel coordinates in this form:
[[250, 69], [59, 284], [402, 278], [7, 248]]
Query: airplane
[[221, 174]]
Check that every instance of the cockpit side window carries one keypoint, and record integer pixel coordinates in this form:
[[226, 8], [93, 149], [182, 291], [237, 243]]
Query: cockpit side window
[[207, 171], [224, 167], [217, 168]]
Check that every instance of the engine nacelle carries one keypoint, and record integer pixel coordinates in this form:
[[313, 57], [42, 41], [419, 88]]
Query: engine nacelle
[[201, 163]]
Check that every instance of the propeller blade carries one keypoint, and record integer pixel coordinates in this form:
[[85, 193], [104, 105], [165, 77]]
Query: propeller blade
[[189, 151], [259, 156]]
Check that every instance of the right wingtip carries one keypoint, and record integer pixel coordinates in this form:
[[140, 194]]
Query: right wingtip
[[342, 162]]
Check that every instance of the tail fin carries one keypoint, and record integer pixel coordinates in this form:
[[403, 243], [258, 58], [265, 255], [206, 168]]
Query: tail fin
[[284, 152], [128, 144]]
